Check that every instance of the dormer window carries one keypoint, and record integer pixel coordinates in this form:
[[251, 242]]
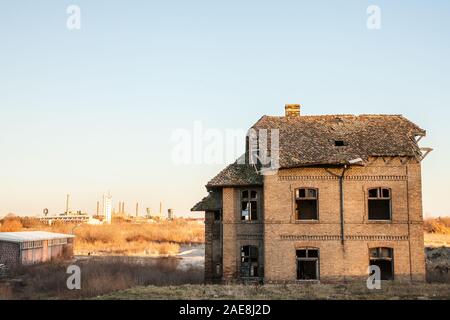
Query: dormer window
[[339, 143]]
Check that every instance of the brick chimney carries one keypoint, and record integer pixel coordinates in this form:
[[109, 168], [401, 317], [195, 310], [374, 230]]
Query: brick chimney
[[292, 110]]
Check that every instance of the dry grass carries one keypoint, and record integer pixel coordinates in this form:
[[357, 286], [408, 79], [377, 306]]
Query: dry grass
[[121, 237], [438, 264], [10, 225], [437, 240], [98, 276], [439, 225], [343, 291], [123, 247]]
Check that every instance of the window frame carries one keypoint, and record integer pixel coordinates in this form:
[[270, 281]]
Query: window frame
[[217, 214], [378, 198], [391, 259], [307, 258], [249, 200], [296, 215], [250, 262]]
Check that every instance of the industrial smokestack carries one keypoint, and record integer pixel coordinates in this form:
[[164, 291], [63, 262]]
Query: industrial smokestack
[[137, 209], [98, 208], [160, 209], [67, 203], [170, 214]]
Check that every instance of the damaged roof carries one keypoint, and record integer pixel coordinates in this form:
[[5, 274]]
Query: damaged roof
[[328, 140], [237, 174], [311, 140], [209, 203]]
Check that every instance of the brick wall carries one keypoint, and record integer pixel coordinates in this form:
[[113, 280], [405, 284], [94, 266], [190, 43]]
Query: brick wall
[[9, 253], [237, 233], [283, 234], [278, 234]]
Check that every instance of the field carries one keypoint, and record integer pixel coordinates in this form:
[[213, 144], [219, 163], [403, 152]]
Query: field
[[118, 264], [121, 237], [437, 240], [99, 275]]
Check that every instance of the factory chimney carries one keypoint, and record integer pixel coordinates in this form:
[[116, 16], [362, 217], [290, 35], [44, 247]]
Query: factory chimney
[[67, 203]]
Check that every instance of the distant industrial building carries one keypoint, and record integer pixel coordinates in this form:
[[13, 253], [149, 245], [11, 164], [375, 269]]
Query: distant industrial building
[[67, 217], [30, 247], [170, 214], [107, 208], [70, 218]]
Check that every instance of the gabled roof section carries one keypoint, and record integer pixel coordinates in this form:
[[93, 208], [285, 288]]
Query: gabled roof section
[[314, 140], [209, 203], [235, 175]]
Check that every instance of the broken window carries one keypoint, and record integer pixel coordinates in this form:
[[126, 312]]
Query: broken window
[[218, 269], [249, 261], [306, 204], [249, 205], [383, 258], [379, 204], [217, 216], [308, 264]]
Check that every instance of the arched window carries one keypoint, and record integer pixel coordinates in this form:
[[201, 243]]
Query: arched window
[[249, 205], [307, 264], [306, 204], [379, 204], [384, 259], [249, 261]]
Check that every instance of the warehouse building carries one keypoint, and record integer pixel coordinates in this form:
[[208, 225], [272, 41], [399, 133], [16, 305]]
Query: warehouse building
[[32, 247]]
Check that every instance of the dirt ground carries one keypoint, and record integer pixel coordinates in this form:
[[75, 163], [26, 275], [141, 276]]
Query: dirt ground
[[437, 287], [345, 291]]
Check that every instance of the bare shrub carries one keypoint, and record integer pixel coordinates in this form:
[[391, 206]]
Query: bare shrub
[[438, 264], [11, 225]]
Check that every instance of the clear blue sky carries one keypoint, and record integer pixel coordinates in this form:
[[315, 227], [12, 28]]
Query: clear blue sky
[[86, 111]]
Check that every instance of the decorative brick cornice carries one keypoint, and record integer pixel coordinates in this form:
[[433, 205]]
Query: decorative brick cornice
[[249, 236], [350, 178], [376, 238], [310, 238], [348, 238], [377, 178]]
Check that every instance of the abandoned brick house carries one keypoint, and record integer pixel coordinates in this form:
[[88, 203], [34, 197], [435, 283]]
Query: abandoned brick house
[[346, 195]]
